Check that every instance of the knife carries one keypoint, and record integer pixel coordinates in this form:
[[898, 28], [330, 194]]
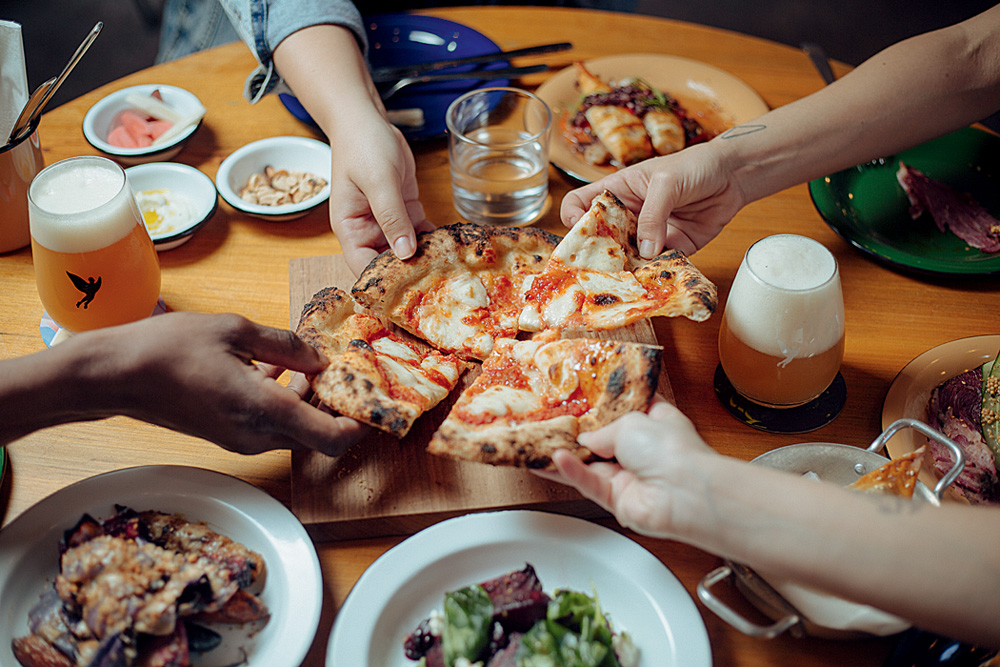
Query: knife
[[819, 60], [389, 74]]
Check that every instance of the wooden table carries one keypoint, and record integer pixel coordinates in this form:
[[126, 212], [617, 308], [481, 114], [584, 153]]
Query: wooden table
[[237, 263]]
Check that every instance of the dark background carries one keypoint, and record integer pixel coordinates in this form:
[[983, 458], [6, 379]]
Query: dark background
[[849, 30]]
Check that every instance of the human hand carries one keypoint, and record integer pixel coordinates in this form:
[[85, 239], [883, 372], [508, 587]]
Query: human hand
[[374, 201], [655, 459], [682, 200], [194, 373]]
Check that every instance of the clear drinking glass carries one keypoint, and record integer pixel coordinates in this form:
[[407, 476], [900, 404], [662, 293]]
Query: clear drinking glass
[[95, 264], [499, 155], [781, 340]]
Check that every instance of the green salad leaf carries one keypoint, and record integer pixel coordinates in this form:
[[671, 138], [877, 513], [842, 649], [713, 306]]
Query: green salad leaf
[[574, 634], [468, 616]]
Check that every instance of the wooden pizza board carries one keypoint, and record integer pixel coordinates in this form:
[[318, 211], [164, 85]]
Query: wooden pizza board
[[387, 486]]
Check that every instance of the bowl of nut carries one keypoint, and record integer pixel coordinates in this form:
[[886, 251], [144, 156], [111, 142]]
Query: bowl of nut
[[276, 179]]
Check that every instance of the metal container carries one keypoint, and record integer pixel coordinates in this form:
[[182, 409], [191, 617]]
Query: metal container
[[839, 464]]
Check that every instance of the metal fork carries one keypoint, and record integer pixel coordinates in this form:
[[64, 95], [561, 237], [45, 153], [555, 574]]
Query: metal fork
[[483, 75]]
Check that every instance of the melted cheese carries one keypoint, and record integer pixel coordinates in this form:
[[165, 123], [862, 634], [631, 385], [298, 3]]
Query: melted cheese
[[622, 284], [584, 247], [500, 400], [562, 306], [406, 376], [451, 315], [558, 372], [394, 348]]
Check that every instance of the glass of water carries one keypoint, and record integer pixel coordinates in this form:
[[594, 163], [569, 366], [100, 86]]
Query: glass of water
[[499, 154]]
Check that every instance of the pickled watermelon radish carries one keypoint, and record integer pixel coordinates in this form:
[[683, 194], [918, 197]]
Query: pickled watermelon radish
[[132, 129]]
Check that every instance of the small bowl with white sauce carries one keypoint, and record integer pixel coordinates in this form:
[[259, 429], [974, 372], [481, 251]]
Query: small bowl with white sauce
[[175, 200]]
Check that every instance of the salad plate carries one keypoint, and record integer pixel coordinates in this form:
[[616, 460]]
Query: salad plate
[[635, 589], [29, 553], [867, 207], [411, 39], [911, 388], [714, 97]]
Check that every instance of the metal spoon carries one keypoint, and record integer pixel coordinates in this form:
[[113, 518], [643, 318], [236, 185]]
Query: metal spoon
[[26, 117], [41, 95]]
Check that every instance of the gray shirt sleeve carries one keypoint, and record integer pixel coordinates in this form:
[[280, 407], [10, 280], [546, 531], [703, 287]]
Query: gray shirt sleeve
[[263, 24]]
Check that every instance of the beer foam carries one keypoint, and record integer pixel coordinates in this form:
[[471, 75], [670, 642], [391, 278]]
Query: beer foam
[[786, 299], [77, 205]]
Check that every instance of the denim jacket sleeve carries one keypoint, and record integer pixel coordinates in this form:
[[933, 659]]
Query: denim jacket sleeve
[[262, 24]]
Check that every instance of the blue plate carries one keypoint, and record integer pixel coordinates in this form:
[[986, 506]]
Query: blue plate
[[406, 39]]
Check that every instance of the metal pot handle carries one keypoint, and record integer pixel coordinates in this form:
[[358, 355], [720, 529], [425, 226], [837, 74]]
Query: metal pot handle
[[727, 614], [956, 469]]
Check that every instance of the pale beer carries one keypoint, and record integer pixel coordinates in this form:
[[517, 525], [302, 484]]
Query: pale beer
[[781, 340], [95, 264]]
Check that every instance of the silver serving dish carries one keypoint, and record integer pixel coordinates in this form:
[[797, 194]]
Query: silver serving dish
[[839, 464]]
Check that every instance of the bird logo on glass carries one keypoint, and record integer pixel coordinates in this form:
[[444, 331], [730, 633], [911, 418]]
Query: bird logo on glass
[[89, 287]]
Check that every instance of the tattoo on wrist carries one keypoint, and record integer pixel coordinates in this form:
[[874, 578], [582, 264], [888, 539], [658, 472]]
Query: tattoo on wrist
[[741, 130]]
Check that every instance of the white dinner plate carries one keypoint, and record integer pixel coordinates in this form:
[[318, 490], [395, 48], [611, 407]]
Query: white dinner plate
[[911, 389], [637, 591], [714, 97], [29, 556]]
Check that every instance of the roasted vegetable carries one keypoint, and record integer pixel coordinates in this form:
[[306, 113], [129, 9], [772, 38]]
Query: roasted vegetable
[[991, 407]]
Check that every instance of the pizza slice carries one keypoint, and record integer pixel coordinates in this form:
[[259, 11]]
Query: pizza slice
[[378, 376], [898, 477], [595, 278], [535, 396], [461, 289]]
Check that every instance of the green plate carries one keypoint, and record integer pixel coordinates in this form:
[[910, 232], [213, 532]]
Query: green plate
[[868, 208], [3, 463]]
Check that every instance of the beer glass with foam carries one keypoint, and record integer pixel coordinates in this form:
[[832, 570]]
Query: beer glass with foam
[[95, 264], [781, 340]]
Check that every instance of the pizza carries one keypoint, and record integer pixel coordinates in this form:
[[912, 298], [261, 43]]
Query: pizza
[[535, 396], [379, 376], [898, 477], [521, 304], [625, 122], [460, 291], [595, 278]]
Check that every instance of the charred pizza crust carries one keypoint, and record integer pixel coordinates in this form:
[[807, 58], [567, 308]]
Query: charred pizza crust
[[459, 290], [534, 397], [380, 377]]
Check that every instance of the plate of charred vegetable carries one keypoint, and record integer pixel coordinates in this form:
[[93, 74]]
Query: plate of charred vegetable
[[518, 587], [166, 565], [955, 388]]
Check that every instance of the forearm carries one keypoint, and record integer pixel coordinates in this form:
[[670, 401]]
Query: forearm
[[935, 566], [324, 66], [47, 388], [909, 93]]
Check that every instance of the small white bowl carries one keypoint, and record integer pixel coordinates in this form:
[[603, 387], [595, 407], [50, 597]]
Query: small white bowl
[[182, 181], [97, 123], [289, 153]]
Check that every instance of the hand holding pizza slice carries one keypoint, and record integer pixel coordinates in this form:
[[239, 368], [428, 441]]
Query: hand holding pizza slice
[[595, 278]]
